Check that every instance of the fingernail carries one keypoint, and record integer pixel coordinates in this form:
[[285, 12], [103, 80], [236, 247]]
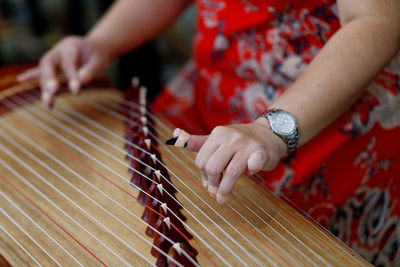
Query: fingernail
[[74, 86], [177, 132], [46, 99], [212, 190], [222, 199], [50, 85], [205, 184]]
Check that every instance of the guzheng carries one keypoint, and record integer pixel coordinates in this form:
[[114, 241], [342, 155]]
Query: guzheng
[[91, 183]]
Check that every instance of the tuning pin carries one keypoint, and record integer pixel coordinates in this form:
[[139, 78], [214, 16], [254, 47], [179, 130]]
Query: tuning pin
[[147, 142], [145, 131], [178, 248], [158, 174], [143, 119], [160, 188], [164, 207], [135, 82], [167, 222], [154, 158]]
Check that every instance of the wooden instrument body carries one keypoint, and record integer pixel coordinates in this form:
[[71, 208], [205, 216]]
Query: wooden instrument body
[[64, 180]]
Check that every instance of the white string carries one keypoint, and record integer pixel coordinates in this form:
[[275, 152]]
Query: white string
[[248, 241], [270, 240], [305, 236], [35, 224], [19, 245], [163, 125], [6, 137], [44, 127], [247, 220], [84, 152], [305, 246], [290, 233], [79, 176], [72, 132], [12, 155]]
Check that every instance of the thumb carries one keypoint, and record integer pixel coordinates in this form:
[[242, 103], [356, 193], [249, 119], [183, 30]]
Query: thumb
[[256, 161], [190, 142]]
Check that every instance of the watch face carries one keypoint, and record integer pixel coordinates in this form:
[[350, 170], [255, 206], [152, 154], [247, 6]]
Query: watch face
[[282, 123]]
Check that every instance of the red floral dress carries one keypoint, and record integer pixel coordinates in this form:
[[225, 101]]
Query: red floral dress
[[246, 54]]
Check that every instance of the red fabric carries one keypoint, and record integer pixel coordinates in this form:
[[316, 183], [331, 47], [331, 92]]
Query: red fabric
[[246, 54]]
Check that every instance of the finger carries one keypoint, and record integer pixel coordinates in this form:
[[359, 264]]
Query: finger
[[235, 168], [190, 142], [216, 165], [205, 152], [48, 79], [257, 161], [30, 74], [89, 70], [196, 142], [69, 59]]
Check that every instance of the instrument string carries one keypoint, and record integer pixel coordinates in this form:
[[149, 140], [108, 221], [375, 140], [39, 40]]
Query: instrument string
[[178, 178], [96, 105], [32, 221], [178, 159], [44, 127], [276, 232], [291, 234], [160, 123], [51, 202], [336, 244], [81, 178], [19, 245], [74, 133], [12, 155]]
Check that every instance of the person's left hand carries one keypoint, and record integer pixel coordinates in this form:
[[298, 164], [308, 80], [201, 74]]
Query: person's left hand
[[229, 151]]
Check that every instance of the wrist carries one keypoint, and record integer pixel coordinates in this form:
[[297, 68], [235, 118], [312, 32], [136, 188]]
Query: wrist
[[281, 145]]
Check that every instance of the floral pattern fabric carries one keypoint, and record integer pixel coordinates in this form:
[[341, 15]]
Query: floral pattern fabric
[[246, 54]]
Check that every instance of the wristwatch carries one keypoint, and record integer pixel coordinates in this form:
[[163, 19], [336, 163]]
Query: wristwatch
[[284, 125]]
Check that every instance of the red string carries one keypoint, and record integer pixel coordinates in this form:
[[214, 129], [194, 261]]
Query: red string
[[55, 144], [204, 190], [50, 218]]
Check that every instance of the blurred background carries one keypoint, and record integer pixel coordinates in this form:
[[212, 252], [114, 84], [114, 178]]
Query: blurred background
[[28, 28]]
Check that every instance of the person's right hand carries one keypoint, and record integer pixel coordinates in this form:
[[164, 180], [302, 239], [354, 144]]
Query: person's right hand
[[78, 59]]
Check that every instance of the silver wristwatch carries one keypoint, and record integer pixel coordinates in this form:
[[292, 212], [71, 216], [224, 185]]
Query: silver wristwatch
[[284, 125]]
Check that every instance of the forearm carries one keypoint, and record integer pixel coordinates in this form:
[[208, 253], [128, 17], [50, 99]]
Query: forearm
[[339, 73], [130, 23]]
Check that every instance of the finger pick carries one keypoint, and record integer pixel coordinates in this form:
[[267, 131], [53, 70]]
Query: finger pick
[[180, 141]]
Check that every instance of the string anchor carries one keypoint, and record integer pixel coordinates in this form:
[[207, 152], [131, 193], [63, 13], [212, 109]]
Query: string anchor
[[154, 158], [143, 119], [135, 82], [158, 174], [142, 96], [167, 222], [164, 207], [148, 143], [145, 131], [160, 188], [178, 248], [143, 110]]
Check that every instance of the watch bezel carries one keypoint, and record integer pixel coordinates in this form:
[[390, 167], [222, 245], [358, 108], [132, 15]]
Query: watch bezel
[[271, 116]]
